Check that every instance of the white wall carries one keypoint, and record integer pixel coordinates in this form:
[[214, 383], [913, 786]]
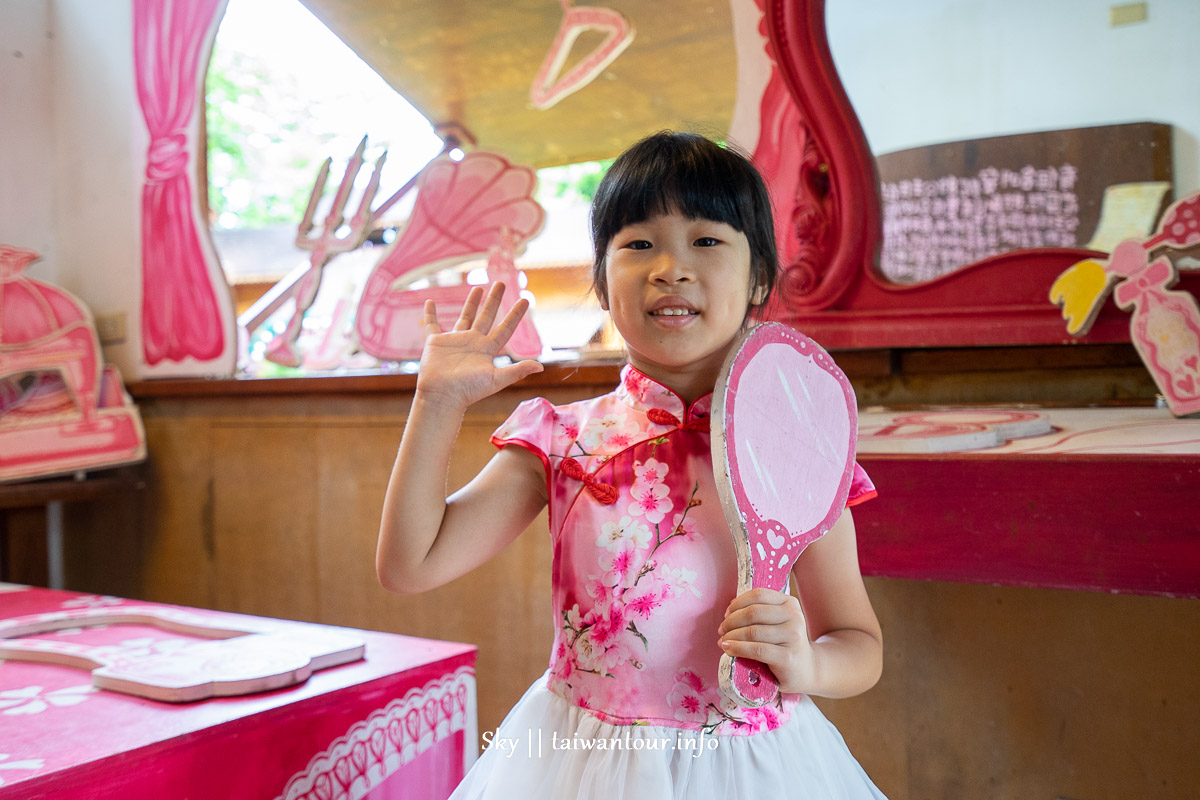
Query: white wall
[[71, 147], [27, 132], [925, 71], [99, 152]]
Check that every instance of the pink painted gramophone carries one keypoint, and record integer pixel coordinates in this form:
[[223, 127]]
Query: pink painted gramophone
[[61, 409]]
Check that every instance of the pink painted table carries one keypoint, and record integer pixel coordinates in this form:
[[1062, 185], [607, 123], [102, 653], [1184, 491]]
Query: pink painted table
[[399, 723]]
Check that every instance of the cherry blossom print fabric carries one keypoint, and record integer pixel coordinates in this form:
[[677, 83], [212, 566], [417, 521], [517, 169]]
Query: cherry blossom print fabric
[[643, 563]]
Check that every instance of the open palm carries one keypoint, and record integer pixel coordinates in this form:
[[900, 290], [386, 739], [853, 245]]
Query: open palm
[[458, 366]]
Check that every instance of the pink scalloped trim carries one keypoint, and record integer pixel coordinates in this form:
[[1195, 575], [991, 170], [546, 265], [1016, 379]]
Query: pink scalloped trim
[[373, 749]]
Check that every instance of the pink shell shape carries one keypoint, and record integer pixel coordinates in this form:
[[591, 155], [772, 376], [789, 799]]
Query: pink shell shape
[[460, 210]]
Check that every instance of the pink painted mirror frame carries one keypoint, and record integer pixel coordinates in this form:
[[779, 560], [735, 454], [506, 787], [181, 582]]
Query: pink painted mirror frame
[[834, 290], [750, 416]]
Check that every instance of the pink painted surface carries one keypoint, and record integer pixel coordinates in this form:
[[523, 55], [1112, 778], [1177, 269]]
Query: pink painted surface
[[947, 430], [464, 209], [348, 731], [1103, 507], [185, 300], [549, 85], [61, 409], [786, 453]]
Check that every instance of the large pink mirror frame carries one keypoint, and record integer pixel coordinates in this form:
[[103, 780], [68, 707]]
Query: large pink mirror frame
[[834, 291]]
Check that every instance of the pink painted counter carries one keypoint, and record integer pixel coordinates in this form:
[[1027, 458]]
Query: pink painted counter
[[1103, 502], [398, 723]]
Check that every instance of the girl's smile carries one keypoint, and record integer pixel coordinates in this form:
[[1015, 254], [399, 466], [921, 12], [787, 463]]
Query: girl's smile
[[678, 291]]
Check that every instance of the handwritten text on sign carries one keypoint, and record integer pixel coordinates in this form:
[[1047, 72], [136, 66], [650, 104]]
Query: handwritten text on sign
[[932, 227]]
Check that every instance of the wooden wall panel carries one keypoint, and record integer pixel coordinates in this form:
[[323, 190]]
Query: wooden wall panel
[[264, 520], [1010, 693], [353, 462], [178, 549]]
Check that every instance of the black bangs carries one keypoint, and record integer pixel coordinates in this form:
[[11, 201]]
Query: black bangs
[[694, 176]]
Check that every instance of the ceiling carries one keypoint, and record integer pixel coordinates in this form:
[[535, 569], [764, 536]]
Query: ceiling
[[472, 63]]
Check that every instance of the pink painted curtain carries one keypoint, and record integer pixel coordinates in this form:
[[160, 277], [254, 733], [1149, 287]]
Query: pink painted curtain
[[180, 312]]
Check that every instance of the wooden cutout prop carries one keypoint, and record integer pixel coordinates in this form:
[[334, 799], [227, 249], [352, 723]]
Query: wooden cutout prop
[[548, 87], [249, 657], [187, 310], [480, 206], [336, 237], [1165, 325], [784, 422], [61, 409], [951, 430]]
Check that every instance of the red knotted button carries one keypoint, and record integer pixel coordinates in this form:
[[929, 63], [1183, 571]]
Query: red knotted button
[[601, 491]]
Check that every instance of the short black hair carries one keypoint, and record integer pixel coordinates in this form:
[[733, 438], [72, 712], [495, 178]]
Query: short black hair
[[688, 173]]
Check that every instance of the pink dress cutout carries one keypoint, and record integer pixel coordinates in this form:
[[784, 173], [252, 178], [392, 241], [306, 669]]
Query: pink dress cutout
[[643, 569]]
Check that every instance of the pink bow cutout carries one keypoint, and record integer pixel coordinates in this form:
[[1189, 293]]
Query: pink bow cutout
[[1155, 275]]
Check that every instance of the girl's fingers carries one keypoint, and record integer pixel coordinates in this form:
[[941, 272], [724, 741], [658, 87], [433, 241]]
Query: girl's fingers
[[491, 305], [508, 325], [766, 634], [430, 320], [512, 373], [769, 654], [759, 596], [763, 614], [467, 317]]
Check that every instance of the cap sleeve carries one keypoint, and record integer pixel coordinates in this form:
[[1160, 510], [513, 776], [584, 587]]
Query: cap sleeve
[[531, 426], [861, 487]]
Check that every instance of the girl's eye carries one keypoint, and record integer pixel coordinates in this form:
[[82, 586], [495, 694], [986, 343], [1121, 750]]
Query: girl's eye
[[707, 241], [638, 244]]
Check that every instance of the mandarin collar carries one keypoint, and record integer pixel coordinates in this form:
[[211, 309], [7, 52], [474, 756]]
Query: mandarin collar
[[640, 391]]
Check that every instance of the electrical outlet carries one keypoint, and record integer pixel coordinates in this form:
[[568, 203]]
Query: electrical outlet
[[111, 327], [1127, 14]]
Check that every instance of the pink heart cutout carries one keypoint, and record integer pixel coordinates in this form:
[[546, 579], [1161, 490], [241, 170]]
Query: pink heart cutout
[[431, 715], [377, 745], [461, 697], [412, 722], [358, 756], [395, 733], [341, 771]]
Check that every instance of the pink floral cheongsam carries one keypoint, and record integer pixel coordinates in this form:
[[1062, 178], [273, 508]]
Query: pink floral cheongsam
[[644, 562]]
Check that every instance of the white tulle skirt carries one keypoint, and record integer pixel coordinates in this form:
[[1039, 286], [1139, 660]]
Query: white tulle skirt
[[548, 748]]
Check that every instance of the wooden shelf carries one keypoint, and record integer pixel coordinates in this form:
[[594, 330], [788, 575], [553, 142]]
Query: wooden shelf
[[31, 494]]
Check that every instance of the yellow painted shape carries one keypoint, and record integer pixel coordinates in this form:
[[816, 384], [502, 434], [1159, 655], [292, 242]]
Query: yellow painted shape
[[1081, 291]]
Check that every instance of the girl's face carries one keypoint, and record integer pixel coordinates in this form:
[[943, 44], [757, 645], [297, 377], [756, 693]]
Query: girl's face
[[678, 291]]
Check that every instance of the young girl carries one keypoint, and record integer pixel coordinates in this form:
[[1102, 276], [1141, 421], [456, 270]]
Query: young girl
[[645, 570]]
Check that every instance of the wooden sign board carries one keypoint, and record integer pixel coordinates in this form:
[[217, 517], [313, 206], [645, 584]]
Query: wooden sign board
[[949, 205]]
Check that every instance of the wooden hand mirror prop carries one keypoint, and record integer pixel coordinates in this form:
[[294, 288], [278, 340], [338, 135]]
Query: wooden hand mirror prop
[[784, 424]]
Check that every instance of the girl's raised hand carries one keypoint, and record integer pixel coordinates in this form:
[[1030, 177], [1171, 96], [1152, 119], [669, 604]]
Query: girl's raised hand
[[458, 366]]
